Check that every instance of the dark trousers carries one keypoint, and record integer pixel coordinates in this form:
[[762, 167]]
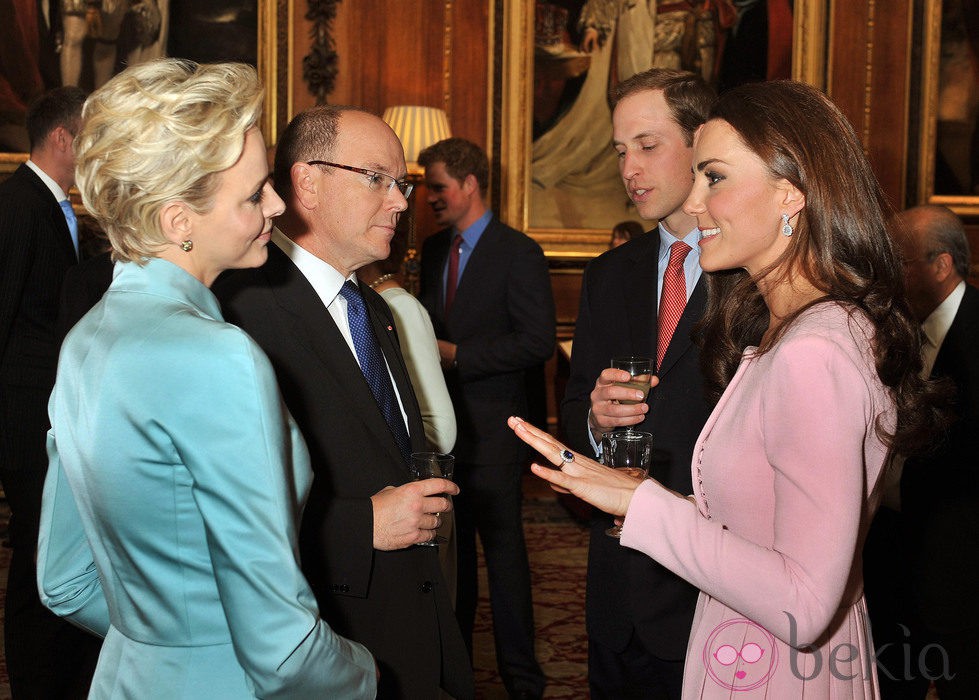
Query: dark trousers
[[47, 657], [962, 680], [490, 504], [632, 674]]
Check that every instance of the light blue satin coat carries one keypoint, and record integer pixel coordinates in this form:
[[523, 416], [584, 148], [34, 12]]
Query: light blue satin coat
[[176, 482]]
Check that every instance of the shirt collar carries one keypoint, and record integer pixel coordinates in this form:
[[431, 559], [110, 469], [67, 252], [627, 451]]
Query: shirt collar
[[667, 239], [936, 326], [326, 280], [59, 194], [472, 234]]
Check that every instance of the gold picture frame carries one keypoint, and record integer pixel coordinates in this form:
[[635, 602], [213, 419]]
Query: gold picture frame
[[274, 51], [932, 66], [516, 56]]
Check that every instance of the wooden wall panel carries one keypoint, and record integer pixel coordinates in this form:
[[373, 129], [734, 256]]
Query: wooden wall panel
[[868, 78], [427, 52]]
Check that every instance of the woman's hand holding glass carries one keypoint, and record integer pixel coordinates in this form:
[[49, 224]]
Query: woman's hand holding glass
[[608, 489]]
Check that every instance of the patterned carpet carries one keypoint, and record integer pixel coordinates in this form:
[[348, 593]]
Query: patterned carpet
[[558, 548]]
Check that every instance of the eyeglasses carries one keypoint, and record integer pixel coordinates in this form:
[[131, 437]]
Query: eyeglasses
[[375, 180]]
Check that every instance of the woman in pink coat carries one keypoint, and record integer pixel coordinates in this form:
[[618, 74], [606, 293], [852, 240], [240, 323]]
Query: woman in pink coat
[[809, 338]]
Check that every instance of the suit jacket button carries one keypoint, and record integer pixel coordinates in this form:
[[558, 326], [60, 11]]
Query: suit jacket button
[[344, 588], [427, 587]]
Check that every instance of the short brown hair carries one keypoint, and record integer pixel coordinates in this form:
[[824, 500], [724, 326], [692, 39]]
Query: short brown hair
[[461, 158], [61, 106], [687, 95]]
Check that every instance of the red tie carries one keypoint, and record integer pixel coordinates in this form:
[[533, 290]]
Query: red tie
[[453, 276], [672, 299]]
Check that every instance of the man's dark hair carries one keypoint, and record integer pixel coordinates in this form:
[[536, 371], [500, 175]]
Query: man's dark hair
[[687, 95], [58, 107], [461, 158]]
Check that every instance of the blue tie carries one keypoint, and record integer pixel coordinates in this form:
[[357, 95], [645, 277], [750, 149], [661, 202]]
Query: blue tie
[[72, 222], [373, 366]]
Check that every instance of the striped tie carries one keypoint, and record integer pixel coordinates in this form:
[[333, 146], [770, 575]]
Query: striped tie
[[672, 299]]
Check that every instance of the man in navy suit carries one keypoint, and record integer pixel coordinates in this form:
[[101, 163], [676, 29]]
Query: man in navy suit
[[46, 656], [638, 614], [488, 291], [939, 496], [341, 173]]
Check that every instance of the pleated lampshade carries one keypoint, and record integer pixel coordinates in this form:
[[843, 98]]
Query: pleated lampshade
[[418, 127]]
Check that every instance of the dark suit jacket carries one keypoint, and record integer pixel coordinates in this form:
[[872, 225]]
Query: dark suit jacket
[[396, 603], [940, 491], [502, 320], [83, 288], [618, 316], [35, 253]]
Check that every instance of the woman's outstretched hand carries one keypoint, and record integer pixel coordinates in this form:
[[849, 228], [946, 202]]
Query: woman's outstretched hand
[[608, 489]]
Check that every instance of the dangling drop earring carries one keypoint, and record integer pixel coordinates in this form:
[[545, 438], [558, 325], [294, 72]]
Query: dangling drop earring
[[786, 226], [187, 246]]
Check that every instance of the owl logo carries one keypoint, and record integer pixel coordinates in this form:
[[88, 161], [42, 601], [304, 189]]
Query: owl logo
[[740, 655]]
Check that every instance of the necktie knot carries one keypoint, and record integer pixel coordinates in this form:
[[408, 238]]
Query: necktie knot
[[678, 253], [351, 292]]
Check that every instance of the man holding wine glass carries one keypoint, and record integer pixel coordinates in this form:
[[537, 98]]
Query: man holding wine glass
[[642, 300], [335, 349]]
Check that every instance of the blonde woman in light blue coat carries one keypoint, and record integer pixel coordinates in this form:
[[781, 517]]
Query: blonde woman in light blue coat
[[177, 478]]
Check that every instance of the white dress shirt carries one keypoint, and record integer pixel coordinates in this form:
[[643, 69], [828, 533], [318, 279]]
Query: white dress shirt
[[326, 282], [934, 329]]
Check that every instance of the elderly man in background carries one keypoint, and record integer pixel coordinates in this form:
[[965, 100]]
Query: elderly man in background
[[940, 491]]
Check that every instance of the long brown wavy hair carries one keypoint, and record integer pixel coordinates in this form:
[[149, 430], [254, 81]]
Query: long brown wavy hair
[[840, 245]]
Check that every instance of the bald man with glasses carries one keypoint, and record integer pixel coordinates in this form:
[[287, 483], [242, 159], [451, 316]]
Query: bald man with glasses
[[335, 349]]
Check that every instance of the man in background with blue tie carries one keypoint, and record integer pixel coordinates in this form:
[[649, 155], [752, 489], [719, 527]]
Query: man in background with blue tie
[[46, 656], [334, 346], [643, 298]]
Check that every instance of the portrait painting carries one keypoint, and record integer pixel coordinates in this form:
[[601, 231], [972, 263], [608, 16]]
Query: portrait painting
[[85, 42], [957, 143], [583, 48]]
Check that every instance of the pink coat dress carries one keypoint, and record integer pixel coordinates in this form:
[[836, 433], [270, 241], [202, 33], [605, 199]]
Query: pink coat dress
[[786, 471]]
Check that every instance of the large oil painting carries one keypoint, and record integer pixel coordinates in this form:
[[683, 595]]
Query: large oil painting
[[567, 187], [949, 138], [581, 49], [84, 42]]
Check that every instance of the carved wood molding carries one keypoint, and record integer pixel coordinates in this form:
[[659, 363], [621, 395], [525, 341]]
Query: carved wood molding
[[320, 64]]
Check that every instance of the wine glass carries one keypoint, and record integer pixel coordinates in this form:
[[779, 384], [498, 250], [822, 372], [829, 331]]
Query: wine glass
[[629, 451], [431, 465], [640, 370]]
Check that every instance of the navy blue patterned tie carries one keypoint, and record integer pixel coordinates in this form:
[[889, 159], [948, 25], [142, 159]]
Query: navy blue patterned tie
[[373, 366]]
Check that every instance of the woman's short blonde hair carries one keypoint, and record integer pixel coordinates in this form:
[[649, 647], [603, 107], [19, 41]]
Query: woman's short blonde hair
[[160, 132]]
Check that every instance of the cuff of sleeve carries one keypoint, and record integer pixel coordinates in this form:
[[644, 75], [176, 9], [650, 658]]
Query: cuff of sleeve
[[591, 437], [651, 509]]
